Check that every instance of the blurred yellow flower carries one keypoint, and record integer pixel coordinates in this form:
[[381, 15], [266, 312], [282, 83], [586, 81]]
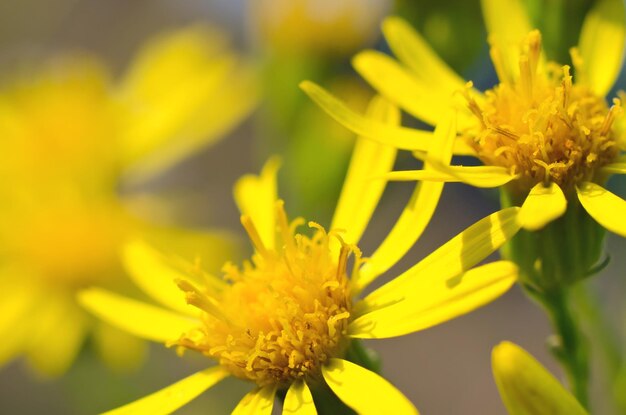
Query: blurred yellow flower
[[68, 136], [309, 27], [547, 139], [285, 319], [526, 387]]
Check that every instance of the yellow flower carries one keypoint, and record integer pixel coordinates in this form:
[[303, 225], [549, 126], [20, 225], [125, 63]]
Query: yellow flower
[[537, 132], [68, 136], [547, 142], [285, 319], [526, 387], [310, 27]]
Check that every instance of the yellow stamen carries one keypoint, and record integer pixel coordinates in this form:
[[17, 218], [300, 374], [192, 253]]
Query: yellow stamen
[[287, 308], [200, 300], [534, 50], [543, 126]]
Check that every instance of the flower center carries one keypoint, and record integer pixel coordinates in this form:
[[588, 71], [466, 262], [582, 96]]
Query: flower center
[[69, 245], [283, 314], [542, 126]]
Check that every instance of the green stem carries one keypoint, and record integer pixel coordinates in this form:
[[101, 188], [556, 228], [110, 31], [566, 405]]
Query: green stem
[[604, 338], [363, 356], [327, 403], [571, 346]]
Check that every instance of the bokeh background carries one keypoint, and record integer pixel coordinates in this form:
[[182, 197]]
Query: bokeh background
[[443, 370]]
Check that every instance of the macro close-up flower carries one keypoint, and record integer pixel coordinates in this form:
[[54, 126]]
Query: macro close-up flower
[[289, 320], [546, 137], [547, 140], [71, 138], [313, 207]]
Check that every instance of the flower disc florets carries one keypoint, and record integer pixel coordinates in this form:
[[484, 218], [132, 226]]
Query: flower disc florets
[[283, 314], [542, 126]]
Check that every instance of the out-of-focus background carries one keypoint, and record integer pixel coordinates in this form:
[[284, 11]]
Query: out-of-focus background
[[443, 370]]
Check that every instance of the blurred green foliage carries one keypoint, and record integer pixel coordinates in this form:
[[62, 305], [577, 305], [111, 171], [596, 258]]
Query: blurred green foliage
[[559, 22], [454, 28]]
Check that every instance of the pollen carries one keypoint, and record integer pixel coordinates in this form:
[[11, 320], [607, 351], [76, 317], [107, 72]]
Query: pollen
[[542, 126], [283, 313]]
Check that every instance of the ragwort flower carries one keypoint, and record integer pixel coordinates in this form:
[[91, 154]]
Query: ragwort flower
[[68, 136], [285, 319], [548, 142], [310, 27]]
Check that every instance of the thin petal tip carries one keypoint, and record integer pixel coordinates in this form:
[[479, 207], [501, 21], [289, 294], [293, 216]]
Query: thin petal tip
[[505, 352], [307, 85]]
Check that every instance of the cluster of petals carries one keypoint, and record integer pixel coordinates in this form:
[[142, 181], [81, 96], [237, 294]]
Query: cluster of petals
[[71, 135], [422, 84], [447, 283]]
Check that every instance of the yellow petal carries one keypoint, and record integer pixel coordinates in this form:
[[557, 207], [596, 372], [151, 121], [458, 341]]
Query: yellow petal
[[401, 138], [416, 215], [403, 88], [141, 319], [452, 259], [20, 302], [59, 334], [606, 208], [408, 228], [18, 299], [461, 148], [171, 398], [365, 391], [299, 400], [12, 345], [185, 52], [120, 350], [602, 44], [189, 254], [542, 206], [256, 197], [614, 168], [507, 25], [151, 272], [360, 195], [204, 250], [477, 176], [258, 402], [411, 48], [184, 90], [506, 19], [432, 300], [526, 387]]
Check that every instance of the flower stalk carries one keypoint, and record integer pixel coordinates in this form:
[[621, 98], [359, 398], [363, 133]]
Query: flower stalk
[[553, 261], [570, 346], [368, 358], [603, 339]]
